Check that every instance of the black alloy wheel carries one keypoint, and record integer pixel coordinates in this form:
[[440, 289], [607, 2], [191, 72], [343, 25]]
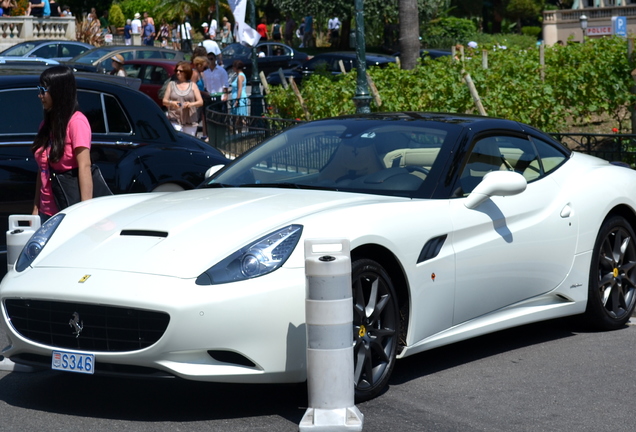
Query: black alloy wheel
[[375, 328], [612, 286]]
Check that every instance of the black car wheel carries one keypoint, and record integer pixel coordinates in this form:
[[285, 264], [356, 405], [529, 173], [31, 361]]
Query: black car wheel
[[375, 328], [612, 286]]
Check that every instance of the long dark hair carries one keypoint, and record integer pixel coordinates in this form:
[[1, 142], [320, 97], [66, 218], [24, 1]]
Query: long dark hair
[[60, 82]]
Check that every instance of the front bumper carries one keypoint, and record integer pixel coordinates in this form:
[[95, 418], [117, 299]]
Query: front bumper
[[250, 332]]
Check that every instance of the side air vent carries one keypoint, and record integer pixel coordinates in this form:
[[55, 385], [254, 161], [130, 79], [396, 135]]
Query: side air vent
[[431, 248], [144, 233]]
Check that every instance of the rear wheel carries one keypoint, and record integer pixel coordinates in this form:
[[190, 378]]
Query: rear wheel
[[375, 328], [612, 286]]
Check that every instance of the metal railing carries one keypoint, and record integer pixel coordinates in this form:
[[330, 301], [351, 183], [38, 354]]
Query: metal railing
[[234, 134], [611, 147]]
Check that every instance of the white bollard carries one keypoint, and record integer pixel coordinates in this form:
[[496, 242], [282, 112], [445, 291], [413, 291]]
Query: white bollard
[[329, 318], [21, 228]]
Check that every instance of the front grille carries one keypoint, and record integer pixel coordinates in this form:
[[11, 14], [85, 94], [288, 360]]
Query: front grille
[[104, 328]]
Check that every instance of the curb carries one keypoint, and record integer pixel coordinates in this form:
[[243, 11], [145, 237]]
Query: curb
[[9, 366]]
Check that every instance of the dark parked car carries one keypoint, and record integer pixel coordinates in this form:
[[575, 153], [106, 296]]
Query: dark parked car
[[153, 73], [50, 49], [331, 63], [100, 59], [430, 53], [275, 55], [133, 143]]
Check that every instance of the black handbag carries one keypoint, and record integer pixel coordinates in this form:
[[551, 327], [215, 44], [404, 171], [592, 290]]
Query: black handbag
[[66, 190]]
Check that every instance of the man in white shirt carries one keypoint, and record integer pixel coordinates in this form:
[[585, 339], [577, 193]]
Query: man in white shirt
[[136, 24], [210, 45], [333, 26], [185, 31], [214, 27], [214, 77]]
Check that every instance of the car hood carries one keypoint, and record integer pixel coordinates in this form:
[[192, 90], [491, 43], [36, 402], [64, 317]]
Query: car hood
[[180, 234]]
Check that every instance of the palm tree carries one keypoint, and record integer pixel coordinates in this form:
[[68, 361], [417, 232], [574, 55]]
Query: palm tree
[[409, 33]]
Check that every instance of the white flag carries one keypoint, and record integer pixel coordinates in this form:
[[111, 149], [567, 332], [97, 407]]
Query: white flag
[[238, 9], [245, 34]]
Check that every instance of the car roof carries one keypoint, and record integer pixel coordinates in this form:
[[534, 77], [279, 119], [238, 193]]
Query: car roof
[[352, 55], [153, 61], [9, 78]]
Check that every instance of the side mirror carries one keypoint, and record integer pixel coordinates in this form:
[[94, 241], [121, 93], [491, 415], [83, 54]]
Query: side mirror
[[213, 170], [496, 183]]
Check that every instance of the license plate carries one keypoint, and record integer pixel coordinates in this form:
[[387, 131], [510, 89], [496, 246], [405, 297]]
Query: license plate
[[73, 362]]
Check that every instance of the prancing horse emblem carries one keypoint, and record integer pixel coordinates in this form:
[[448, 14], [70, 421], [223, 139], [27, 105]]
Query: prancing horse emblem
[[76, 325]]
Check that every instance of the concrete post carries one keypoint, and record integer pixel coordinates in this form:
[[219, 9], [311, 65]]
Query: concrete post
[[329, 318]]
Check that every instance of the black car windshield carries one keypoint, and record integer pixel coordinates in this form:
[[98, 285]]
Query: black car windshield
[[369, 156]]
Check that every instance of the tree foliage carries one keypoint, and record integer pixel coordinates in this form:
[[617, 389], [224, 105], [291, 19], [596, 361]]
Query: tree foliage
[[581, 81]]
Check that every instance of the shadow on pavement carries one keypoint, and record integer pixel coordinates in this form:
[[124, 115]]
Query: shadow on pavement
[[173, 400]]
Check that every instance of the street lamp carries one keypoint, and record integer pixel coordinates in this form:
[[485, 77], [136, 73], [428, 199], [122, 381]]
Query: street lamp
[[583, 21], [362, 99], [256, 102]]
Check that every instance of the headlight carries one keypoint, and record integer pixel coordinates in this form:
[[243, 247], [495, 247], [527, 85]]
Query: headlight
[[37, 242], [256, 259]]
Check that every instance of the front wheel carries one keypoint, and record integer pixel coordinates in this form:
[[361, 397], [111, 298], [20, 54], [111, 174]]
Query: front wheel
[[612, 286], [375, 328]]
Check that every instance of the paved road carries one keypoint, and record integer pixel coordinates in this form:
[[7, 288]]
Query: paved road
[[552, 376]]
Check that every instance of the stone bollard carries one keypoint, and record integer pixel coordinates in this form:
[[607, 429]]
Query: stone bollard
[[329, 318]]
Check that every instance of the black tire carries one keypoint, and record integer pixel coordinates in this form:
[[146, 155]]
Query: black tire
[[375, 328], [612, 285]]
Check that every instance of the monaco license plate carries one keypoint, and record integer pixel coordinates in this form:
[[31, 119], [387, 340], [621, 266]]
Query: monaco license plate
[[73, 362]]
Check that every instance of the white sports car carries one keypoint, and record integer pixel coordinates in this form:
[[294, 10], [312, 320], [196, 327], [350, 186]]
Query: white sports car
[[458, 226]]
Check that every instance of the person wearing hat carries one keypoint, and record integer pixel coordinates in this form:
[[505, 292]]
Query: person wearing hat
[[118, 65], [205, 28], [136, 24]]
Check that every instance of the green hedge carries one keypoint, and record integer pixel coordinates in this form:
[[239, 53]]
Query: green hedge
[[581, 81]]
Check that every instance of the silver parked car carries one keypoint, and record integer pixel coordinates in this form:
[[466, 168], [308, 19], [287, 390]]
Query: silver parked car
[[60, 50]]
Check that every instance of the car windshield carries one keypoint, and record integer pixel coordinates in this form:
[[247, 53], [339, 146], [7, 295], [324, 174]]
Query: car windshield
[[90, 56], [378, 157], [19, 49], [235, 50]]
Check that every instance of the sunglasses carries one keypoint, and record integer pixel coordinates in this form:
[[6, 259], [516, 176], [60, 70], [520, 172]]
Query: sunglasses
[[42, 90], [179, 70]]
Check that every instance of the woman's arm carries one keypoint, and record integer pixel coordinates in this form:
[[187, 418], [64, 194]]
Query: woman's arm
[[170, 104], [83, 158], [241, 79], [36, 200], [198, 100]]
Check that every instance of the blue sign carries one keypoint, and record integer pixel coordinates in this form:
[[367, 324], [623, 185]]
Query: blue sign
[[619, 26]]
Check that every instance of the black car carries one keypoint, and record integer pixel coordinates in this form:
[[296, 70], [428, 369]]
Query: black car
[[331, 63], [100, 59], [272, 56], [133, 143]]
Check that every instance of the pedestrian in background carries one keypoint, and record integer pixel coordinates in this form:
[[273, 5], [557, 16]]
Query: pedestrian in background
[[136, 24], [63, 141], [128, 32], [276, 33], [290, 30], [185, 33], [149, 33], [226, 32], [182, 98], [176, 40]]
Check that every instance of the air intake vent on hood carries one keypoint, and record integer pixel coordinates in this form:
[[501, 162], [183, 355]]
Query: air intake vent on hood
[[144, 233]]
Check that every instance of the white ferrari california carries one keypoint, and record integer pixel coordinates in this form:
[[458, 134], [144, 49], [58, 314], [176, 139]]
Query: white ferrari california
[[458, 225]]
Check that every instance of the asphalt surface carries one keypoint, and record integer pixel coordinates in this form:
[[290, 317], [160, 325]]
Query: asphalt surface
[[553, 376]]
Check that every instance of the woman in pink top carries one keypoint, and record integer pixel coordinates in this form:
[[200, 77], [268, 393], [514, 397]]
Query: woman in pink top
[[63, 141]]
